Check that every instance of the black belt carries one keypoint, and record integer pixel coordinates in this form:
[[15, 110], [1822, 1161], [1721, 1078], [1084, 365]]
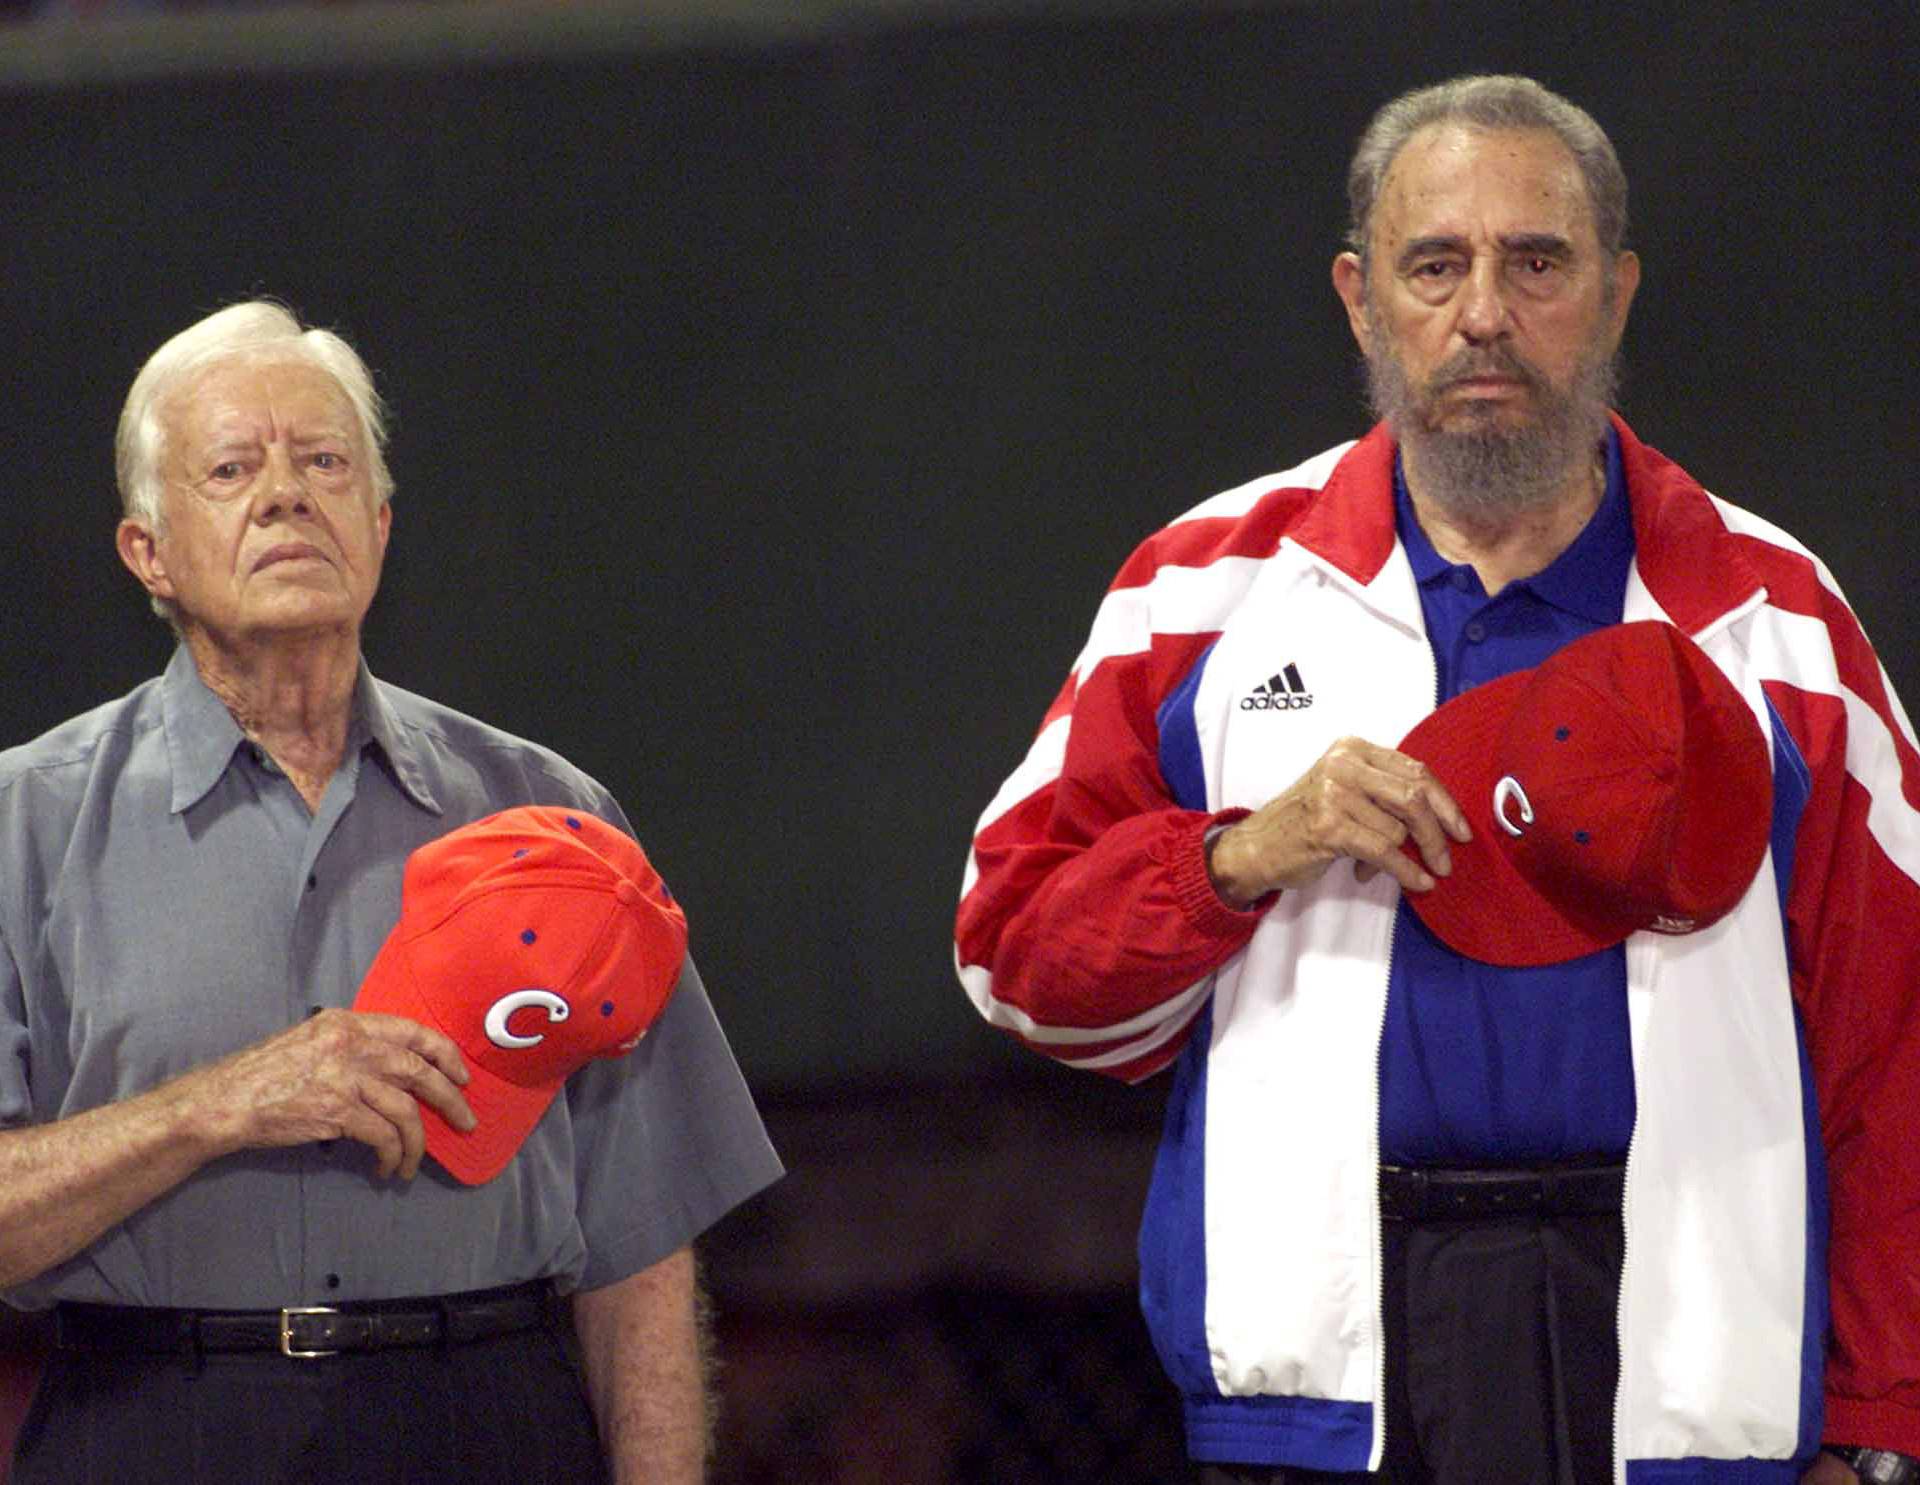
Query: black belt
[[304, 1331], [1427, 1194]]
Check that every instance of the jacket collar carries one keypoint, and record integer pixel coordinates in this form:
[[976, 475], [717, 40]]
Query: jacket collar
[[1694, 568]]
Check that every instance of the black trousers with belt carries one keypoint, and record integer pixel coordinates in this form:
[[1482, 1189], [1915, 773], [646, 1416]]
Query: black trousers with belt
[[506, 1409], [1502, 1353]]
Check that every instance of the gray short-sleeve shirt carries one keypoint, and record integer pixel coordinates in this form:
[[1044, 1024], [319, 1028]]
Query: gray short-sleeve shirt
[[166, 898]]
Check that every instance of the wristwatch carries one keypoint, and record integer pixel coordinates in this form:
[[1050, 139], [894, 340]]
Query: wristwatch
[[1879, 1466]]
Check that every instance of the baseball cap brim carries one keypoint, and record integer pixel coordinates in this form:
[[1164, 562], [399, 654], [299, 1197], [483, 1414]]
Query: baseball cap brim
[[507, 1112], [510, 1115]]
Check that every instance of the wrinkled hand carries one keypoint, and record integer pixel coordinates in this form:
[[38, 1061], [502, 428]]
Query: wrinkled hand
[[1359, 800], [337, 1074]]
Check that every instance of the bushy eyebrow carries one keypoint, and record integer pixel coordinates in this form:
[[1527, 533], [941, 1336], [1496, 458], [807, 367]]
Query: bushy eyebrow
[[1546, 244]]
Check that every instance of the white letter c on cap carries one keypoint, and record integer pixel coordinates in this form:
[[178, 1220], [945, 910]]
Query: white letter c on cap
[[497, 1013], [1509, 788]]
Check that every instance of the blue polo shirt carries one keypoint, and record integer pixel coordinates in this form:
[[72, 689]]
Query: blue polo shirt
[[1481, 1065]]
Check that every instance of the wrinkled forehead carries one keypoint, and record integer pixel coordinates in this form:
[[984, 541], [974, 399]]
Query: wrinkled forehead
[[257, 396], [1456, 180]]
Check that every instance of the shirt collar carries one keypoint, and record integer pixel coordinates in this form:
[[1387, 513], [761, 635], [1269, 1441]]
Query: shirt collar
[[202, 734], [393, 741], [1588, 578]]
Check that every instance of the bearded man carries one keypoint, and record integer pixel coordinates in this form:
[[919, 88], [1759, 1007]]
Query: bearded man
[[1565, 1134]]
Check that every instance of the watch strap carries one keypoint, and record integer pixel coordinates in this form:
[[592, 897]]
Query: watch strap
[[1879, 1466]]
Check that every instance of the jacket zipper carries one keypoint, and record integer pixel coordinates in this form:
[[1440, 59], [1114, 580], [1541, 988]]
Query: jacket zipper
[[1626, 1273], [1380, 1243], [1379, 1234]]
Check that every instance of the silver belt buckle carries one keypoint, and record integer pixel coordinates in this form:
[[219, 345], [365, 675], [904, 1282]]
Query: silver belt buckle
[[286, 1329]]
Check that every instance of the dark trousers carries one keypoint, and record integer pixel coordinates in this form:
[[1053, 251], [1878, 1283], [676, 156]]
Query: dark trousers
[[1502, 1355], [506, 1411]]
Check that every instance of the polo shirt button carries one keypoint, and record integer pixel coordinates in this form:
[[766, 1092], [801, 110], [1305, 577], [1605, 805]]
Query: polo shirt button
[[1476, 631]]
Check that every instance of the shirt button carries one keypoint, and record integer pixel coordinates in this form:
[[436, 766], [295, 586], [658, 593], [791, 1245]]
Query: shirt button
[[312, 882], [1476, 631], [1462, 579], [333, 1281]]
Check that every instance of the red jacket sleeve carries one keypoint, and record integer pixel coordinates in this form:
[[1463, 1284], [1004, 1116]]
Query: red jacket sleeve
[[1853, 918], [1088, 927]]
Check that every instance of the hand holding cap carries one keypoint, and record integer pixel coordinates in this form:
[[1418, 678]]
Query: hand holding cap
[[537, 939]]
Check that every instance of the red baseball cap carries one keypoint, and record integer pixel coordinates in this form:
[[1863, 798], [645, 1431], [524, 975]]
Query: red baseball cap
[[1622, 784], [537, 939]]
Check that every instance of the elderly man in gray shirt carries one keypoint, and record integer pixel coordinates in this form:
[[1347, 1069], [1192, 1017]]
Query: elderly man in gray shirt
[[193, 881]]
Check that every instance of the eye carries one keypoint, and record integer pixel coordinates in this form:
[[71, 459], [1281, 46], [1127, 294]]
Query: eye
[[328, 460], [1537, 268], [229, 469]]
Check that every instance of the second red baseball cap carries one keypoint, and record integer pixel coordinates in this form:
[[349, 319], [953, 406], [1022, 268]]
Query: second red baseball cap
[[1623, 784]]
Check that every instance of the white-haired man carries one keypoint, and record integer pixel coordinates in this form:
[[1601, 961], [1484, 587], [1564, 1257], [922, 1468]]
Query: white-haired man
[[1532, 1192], [199, 1130]]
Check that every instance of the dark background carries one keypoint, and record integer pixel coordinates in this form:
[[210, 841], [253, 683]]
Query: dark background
[[768, 419], [773, 403]]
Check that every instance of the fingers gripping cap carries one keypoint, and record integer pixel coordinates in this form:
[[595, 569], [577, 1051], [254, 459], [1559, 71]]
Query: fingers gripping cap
[[1623, 784], [537, 939]]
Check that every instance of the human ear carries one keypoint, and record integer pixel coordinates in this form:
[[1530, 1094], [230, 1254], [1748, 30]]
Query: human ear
[[1626, 282], [1350, 283], [139, 548]]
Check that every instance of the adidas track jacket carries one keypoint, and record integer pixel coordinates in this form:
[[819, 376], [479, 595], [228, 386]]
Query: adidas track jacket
[[1088, 929]]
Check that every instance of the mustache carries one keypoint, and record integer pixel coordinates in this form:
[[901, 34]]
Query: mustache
[[1494, 360]]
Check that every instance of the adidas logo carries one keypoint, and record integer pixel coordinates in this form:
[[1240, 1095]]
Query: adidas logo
[[1281, 692]]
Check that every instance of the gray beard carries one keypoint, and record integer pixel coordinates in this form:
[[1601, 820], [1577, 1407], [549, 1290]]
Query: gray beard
[[1489, 472]]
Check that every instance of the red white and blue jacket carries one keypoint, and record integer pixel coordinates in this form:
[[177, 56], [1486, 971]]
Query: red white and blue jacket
[[1088, 929]]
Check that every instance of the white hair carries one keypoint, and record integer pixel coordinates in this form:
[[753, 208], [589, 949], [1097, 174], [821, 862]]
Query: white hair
[[257, 332]]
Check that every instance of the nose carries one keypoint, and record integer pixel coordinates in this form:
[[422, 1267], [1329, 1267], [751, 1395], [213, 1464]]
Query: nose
[[1483, 316], [283, 491]]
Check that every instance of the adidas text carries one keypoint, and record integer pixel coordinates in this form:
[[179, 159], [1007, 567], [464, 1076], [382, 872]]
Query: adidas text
[[1283, 691]]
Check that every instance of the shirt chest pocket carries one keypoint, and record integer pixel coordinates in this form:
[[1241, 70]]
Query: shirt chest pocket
[[163, 964]]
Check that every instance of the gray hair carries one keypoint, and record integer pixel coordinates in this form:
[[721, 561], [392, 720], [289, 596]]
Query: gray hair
[[258, 332], [1497, 102]]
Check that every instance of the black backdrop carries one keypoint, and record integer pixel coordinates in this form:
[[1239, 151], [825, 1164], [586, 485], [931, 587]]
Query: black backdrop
[[769, 416]]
